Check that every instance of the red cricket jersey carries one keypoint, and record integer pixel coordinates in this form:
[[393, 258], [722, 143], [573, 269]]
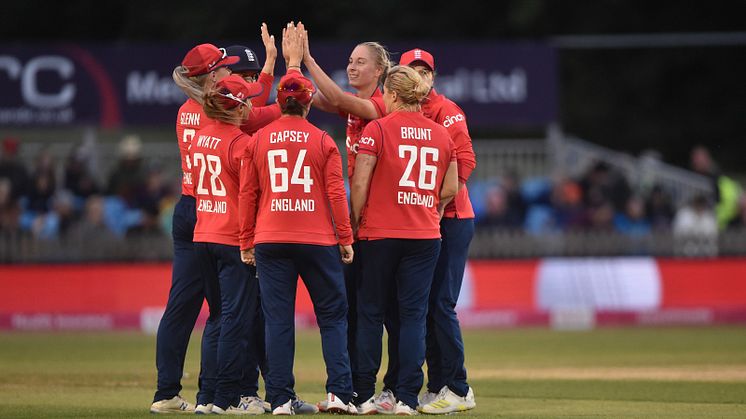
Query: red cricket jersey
[[266, 81], [189, 120], [191, 117], [259, 117], [443, 111], [355, 126], [216, 158], [292, 190], [413, 154]]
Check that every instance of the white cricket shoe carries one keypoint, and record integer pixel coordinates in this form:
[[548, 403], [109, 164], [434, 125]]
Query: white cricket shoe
[[321, 406], [300, 407], [427, 398], [203, 409], [249, 405], [469, 401], [173, 405], [266, 405], [447, 401], [402, 409], [386, 403], [336, 406], [284, 410], [367, 408], [246, 406]]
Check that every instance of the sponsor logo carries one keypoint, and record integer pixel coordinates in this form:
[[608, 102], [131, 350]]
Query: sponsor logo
[[467, 85], [367, 141], [351, 147], [149, 88], [43, 101], [450, 120]]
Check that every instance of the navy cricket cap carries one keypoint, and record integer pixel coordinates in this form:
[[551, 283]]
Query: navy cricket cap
[[247, 59]]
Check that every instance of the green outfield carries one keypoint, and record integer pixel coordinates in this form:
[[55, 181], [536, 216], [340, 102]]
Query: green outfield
[[520, 373]]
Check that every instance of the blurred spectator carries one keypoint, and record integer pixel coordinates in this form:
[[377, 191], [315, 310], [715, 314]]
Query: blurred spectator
[[154, 190], [497, 212], [601, 217], [10, 209], [511, 185], [695, 229], [632, 222], [567, 201], [504, 205], [78, 177], [56, 223], [92, 228], [43, 183], [727, 191], [128, 178], [659, 209], [739, 222], [601, 184], [12, 168], [149, 225]]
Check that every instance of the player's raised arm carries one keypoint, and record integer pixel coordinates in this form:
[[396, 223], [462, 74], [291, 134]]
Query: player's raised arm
[[335, 99], [270, 49]]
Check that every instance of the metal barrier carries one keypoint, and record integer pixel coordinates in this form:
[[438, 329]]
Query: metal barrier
[[574, 156], [488, 243]]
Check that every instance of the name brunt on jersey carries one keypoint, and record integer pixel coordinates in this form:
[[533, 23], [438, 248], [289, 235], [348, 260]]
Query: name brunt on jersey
[[300, 175], [209, 182], [427, 177]]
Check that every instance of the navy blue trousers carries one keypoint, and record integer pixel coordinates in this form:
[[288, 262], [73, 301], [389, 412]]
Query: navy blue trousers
[[232, 293], [407, 265], [445, 347], [352, 276], [320, 267], [184, 303]]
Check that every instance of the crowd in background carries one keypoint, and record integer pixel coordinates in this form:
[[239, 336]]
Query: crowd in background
[[136, 197], [602, 199]]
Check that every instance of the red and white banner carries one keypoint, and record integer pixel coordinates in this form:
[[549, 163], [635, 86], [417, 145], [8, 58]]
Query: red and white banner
[[562, 293]]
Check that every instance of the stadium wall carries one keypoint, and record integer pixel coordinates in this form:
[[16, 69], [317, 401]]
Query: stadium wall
[[563, 293]]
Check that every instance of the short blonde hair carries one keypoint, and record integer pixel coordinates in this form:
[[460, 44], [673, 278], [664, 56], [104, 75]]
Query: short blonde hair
[[408, 84], [193, 86]]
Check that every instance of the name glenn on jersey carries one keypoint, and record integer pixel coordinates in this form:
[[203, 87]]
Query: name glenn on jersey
[[189, 118]]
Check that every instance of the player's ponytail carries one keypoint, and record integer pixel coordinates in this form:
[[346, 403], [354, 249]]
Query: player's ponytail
[[293, 107], [221, 108], [408, 85], [193, 86]]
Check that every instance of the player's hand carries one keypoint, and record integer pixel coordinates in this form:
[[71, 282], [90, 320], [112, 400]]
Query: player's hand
[[294, 45], [247, 257], [304, 39], [347, 253], [286, 40], [269, 43]]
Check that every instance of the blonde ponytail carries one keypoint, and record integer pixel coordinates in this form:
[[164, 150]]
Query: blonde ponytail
[[193, 86]]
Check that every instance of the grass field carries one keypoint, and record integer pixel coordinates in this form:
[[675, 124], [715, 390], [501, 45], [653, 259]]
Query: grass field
[[519, 373]]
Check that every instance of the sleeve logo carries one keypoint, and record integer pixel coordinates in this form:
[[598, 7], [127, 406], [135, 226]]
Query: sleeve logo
[[450, 120]]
